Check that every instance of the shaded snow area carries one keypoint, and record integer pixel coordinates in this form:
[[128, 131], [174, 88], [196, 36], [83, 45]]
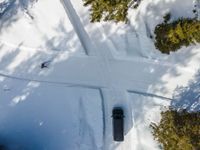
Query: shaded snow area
[[61, 76], [50, 117]]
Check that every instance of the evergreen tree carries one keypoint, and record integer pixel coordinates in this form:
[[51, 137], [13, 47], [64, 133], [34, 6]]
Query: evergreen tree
[[106, 10], [178, 130], [171, 36]]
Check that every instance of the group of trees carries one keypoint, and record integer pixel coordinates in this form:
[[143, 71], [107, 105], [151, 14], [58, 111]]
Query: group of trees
[[174, 35], [108, 10], [168, 36], [178, 130]]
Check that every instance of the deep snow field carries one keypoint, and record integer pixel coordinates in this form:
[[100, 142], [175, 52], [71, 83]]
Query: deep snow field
[[92, 67]]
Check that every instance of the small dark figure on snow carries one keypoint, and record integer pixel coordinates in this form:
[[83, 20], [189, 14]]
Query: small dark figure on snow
[[45, 64]]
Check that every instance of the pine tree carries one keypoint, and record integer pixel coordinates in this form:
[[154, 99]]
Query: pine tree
[[178, 130], [107, 10], [172, 36]]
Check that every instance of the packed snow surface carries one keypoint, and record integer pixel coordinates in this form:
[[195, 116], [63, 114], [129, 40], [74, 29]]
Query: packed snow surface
[[90, 69]]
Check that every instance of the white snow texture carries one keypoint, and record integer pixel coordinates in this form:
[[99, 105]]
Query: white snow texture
[[89, 68]]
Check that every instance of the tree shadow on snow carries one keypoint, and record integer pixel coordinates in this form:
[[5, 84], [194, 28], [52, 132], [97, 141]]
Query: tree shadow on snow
[[188, 97], [58, 51], [164, 69], [17, 88], [10, 9]]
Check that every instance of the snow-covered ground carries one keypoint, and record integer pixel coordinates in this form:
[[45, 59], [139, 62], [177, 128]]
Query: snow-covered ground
[[92, 67]]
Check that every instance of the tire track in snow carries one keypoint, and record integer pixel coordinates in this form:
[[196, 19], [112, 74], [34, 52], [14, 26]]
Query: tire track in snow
[[131, 59], [90, 48], [104, 120], [85, 40], [150, 95], [68, 84], [86, 132]]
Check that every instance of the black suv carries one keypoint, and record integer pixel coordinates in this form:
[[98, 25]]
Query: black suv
[[118, 124]]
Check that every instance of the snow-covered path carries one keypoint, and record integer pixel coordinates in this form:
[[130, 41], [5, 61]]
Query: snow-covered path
[[90, 72]]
